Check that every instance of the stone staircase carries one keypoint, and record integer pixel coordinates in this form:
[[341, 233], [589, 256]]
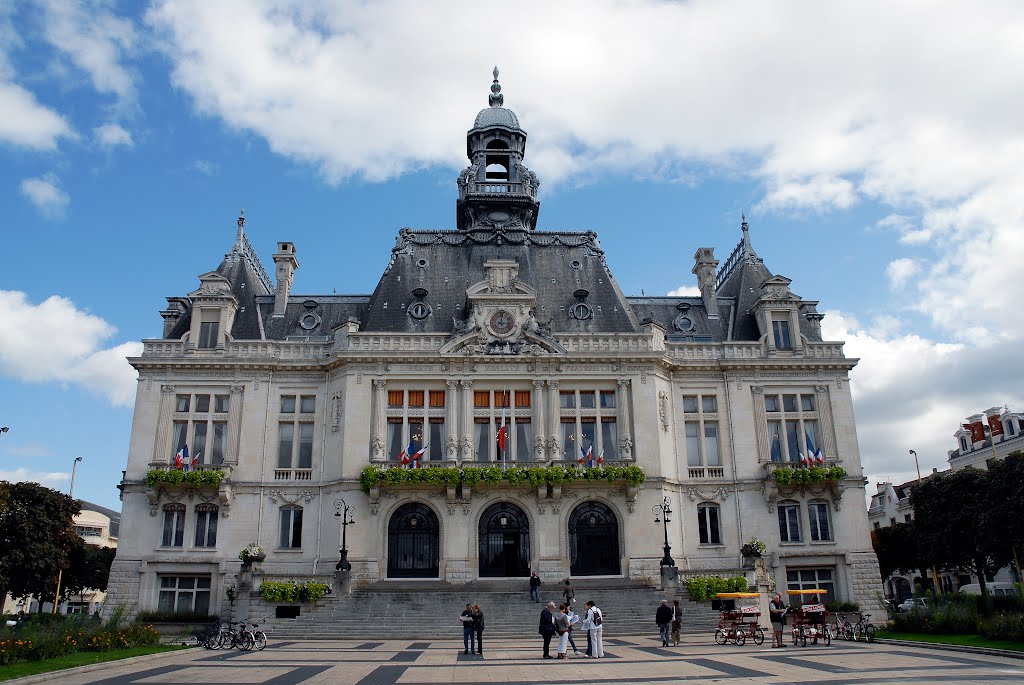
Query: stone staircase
[[429, 610]]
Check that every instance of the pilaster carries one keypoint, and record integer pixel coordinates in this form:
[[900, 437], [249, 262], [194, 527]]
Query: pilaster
[[823, 402], [378, 447], [161, 442], [234, 424]]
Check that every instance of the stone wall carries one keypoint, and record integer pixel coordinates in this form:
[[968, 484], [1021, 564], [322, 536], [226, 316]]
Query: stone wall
[[866, 583], [123, 588]]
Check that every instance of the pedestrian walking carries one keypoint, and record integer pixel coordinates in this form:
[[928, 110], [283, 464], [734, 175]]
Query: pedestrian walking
[[595, 635], [568, 594], [468, 633], [562, 628], [478, 628], [777, 613], [547, 627], [574, 620], [535, 587], [677, 622], [663, 617]]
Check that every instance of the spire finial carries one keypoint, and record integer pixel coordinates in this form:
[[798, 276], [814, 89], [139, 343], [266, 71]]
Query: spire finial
[[496, 99], [241, 228]]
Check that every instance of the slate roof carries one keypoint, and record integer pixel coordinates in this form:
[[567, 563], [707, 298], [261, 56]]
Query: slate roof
[[114, 516]]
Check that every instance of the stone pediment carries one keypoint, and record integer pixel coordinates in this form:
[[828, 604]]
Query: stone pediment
[[212, 284], [501, 283]]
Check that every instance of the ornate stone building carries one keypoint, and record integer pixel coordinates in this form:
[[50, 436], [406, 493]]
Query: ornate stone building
[[493, 323]]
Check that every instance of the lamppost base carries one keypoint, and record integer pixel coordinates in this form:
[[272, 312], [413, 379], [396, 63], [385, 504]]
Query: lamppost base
[[667, 560]]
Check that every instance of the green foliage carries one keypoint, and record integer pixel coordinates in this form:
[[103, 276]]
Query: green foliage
[[783, 476], [1002, 627], [199, 478], [706, 587], [945, 618], [88, 568], [494, 475], [843, 607], [292, 593], [836, 473], [897, 549], [175, 617], [66, 635], [799, 477]]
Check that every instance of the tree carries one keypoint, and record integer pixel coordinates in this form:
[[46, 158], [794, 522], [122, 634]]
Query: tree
[[88, 569], [1006, 495], [37, 532], [953, 521], [897, 549]]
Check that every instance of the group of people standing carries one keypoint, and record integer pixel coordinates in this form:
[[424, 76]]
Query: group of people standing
[[670, 622], [472, 629], [560, 621]]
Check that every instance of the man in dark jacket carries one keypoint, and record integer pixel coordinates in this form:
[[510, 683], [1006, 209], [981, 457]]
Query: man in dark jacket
[[663, 618], [547, 627], [535, 587]]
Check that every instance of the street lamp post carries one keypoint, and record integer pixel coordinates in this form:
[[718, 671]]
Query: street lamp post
[[661, 515], [916, 465], [347, 516], [935, 570], [60, 571]]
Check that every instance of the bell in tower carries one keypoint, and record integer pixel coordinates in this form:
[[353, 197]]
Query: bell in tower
[[496, 191]]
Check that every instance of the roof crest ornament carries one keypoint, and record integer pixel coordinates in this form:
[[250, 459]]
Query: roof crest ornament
[[241, 230], [496, 99]]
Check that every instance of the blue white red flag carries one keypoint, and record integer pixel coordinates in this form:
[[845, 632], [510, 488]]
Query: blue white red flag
[[181, 457], [818, 456], [590, 456]]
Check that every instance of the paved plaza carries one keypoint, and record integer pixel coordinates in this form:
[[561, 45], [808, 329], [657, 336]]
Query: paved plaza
[[632, 659]]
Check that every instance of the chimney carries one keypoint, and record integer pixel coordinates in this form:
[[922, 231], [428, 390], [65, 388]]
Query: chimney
[[285, 266], [705, 267], [176, 307]]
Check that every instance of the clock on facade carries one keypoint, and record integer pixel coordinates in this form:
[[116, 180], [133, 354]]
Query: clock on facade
[[502, 322]]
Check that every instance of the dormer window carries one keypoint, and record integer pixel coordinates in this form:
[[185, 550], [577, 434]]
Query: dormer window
[[780, 331], [209, 329]]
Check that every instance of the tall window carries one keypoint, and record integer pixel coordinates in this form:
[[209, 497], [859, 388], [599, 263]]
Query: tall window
[[201, 422], [792, 426], [789, 521], [488, 408], [701, 428], [813, 579], [818, 518], [708, 524], [416, 417], [291, 528], [209, 329], [206, 525], [185, 594], [780, 331], [174, 525], [588, 423], [295, 432]]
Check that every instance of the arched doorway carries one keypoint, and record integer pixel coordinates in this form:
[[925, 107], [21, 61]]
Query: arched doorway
[[504, 541], [593, 541], [413, 534]]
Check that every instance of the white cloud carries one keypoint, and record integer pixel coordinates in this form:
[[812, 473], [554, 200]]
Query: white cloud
[[30, 450], [27, 123], [206, 167], [684, 291], [900, 270], [23, 475], [46, 194], [821, 194], [95, 40], [56, 341], [112, 135]]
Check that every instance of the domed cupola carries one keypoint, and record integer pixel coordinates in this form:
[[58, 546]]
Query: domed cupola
[[496, 190]]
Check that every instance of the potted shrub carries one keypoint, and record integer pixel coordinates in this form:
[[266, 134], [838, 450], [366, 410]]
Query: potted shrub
[[753, 548], [251, 553]]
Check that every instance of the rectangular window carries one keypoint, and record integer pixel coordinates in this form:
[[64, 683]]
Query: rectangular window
[[811, 436], [396, 398], [524, 438], [502, 398], [291, 528], [707, 522], [709, 404], [437, 399], [174, 526], [415, 434], [206, 526], [693, 443], [609, 439], [415, 398], [817, 517], [587, 399], [482, 439], [771, 402], [89, 531], [287, 404], [813, 579], [481, 399], [199, 441], [567, 400], [395, 445], [435, 449], [308, 404], [789, 522], [607, 399], [285, 437], [807, 402], [690, 404], [789, 403], [208, 334], [588, 437], [221, 403], [775, 439], [305, 446], [202, 404], [220, 431], [793, 440], [182, 402], [781, 331], [570, 449], [907, 518], [180, 435], [184, 594], [711, 454], [522, 398]]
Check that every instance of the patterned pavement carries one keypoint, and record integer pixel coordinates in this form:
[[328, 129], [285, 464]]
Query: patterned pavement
[[632, 659]]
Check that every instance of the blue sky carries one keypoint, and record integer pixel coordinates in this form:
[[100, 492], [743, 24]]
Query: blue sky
[[875, 158]]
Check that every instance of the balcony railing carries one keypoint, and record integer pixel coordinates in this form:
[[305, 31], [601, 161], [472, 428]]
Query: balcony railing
[[293, 474], [708, 472]]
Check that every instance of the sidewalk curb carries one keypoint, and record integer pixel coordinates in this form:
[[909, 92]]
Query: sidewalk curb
[[990, 651], [64, 672]]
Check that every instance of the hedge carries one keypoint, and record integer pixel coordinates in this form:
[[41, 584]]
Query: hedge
[[210, 477], [495, 475], [292, 593], [706, 587]]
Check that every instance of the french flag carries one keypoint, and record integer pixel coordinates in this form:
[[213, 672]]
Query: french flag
[[819, 457], [600, 458], [805, 460], [405, 454], [590, 456], [181, 457], [419, 454]]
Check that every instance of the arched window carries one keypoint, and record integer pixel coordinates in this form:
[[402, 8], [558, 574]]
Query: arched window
[[708, 521], [291, 527], [789, 521], [496, 172], [174, 525], [818, 518], [497, 145], [504, 541], [206, 525]]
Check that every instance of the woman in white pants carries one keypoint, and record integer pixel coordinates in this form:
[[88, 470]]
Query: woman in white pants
[[596, 633], [562, 628]]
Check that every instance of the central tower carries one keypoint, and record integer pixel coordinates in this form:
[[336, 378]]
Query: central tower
[[496, 190]]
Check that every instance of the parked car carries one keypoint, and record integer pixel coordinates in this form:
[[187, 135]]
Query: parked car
[[918, 603]]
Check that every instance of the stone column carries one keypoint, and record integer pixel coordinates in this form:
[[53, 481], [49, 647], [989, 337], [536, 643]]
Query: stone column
[[451, 420], [794, 332], [539, 420], [760, 424], [624, 417], [234, 435], [828, 430], [554, 439], [161, 451], [466, 446], [378, 445]]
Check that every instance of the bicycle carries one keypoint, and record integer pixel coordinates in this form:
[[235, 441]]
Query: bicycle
[[241, 639], [259, 637], [864, 628], [842, 627], [734, 633]]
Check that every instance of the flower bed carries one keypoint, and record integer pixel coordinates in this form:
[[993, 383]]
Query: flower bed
[[292, 593], [787, 476], [37, 640], [202, 477], [494, 475]]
